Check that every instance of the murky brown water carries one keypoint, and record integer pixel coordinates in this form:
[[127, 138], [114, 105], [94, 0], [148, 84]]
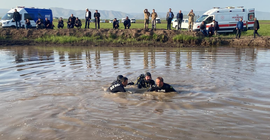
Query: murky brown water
[[58, 93]]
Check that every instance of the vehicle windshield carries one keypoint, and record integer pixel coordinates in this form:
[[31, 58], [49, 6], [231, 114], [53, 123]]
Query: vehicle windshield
[[202, 18], [8, 16]]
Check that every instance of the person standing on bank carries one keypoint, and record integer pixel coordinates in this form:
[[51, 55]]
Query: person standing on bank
[[191, 16], [256, 27], [169, 18], [216, 27], [239, 28], [17, 18], [154, 22], [87, 18], [146, 18], [97, 19], [179, 19]]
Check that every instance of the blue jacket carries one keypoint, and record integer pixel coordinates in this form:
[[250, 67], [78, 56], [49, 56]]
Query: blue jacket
[[240, 25]]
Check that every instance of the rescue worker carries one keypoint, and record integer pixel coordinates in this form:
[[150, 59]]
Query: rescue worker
[[72, 20], [127, 23], [216, 27], [119, 87], [97, 19], [118, 79], [146, 18], [78, 23], [115, 23], [161, 86], [256, 27], [239, 28], [169, 18], [47, 24], [87, 18], [179, 19], [154, 22], [60, 23], [17, 18], [191, 16], [145, 81], [39, 24]]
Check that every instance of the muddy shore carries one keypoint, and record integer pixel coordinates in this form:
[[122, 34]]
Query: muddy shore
[[142, 38]]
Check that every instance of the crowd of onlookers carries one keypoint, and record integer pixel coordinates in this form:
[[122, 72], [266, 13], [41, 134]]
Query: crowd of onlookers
[[76, 22]]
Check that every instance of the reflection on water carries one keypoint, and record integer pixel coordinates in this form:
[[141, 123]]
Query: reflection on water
[[58, 93]]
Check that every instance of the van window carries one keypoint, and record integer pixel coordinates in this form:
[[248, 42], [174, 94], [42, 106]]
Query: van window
[[201, 18], [209, 20], [251, 16], [29, 16], [8, 16]]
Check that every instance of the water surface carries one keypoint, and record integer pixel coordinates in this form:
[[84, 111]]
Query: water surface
[[58, 93]]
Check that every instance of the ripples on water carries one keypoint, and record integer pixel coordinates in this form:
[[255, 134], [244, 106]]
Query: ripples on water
[[58, 93]]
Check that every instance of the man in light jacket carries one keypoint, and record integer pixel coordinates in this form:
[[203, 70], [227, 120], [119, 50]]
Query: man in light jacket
[[87, 18], [169, 18], [191, 16], [154, 17], [146, 18]]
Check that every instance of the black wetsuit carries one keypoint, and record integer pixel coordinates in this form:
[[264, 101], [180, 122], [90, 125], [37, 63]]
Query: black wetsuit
[[142, 83], [116, 87], [164, 88]]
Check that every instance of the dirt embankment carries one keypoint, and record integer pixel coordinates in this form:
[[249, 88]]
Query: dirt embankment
[[142, 38]]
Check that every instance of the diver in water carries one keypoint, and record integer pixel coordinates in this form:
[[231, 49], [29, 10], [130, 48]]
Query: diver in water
[[161, 86], [119, 86], [118, 80], [145, 81]]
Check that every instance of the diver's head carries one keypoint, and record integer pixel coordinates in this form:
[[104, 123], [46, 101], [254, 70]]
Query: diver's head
[[159, 82], [124, 81], [148, 76], [119, 77]]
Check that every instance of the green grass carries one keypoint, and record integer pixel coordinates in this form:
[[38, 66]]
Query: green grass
[[66, 39]]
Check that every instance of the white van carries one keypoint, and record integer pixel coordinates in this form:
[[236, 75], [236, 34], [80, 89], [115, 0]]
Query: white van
[[184, 24], [26, 13], [133, 20], [227, 18]]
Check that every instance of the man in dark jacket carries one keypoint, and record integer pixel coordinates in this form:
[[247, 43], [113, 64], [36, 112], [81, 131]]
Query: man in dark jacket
[[216, 27], [115, 24], [239, 28], [211, 30], [47, 24], [87, 18], [60, 23], [72, 22], [256, 27], [78, 23], [145, 81], [127, 23], [17, 18], [169, 18], [119, 87], [203, 28], [39, 24], [161, 86], [97, 19], [179, 19]]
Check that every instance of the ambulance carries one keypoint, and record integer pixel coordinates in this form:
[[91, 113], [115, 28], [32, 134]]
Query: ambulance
[[26, 13], [227, 18]]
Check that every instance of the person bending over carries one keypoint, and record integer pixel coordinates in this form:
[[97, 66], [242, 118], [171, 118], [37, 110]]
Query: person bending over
[[78, 23], [115, 24], [127, 23], [161, 86], [60, 23], [119, 87]]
